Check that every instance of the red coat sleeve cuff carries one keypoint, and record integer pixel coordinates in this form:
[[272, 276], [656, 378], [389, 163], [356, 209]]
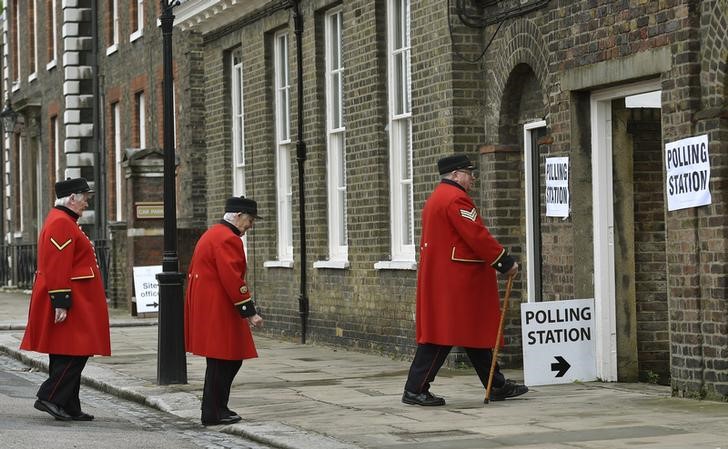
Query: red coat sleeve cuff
[[246, 308], [504, 262]]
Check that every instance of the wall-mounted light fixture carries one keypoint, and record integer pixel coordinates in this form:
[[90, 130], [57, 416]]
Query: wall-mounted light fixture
[[8, 118]]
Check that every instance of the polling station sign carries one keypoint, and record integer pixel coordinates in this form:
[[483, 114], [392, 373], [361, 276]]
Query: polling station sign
[[146, 288], [558, 341], [687, 164], [557, 187]]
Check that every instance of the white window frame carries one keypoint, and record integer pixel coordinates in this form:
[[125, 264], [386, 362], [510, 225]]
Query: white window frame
[[39, 177], [237, 117], [400, 130], [54, 41], [139, 103], [237, 113], [114, 47], [16, 19], [34, 75], [55, 129], [118, 169], [139, 32], [21, 183], [284, 209], [335, 144]]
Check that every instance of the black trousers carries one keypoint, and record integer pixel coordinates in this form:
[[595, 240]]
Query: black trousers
[[219, 377], [64, 382], [430, 357]]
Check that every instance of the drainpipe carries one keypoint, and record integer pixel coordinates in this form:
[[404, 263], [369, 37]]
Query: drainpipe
[[301, 158], [100, 163]]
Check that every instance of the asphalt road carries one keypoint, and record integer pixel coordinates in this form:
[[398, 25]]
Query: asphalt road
[[119, 424]]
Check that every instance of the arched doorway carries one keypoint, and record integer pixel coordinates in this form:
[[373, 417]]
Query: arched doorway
[[522, 102]]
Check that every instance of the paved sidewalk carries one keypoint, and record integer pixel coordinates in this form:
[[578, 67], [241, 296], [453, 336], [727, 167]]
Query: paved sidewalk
[[314, 397]]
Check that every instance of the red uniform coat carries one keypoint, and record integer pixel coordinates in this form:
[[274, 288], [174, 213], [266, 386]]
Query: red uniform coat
[[216, 285], [457, 290], [68, 272]]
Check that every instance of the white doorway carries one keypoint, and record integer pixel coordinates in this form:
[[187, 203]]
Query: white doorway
[[603, 221], [531, 133]]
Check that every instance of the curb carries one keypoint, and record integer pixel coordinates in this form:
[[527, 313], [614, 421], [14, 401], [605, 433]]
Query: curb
[[122, 323], [276, 435]]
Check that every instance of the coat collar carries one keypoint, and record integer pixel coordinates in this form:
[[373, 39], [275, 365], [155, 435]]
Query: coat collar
[[453, 183], [73, 214], [231, 227]]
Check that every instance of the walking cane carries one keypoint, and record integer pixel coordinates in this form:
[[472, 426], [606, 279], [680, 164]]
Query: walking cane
[[498, 338]]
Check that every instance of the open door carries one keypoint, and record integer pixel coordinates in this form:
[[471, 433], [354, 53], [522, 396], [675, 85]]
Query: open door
[[617, 246]]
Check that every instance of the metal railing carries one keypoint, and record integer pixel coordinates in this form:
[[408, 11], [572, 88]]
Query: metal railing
[[18, 263], [6, 275], [25, 256], [103, 255]]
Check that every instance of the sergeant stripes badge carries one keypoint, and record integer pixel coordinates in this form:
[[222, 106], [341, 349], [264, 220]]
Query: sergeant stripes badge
[[469, 214]]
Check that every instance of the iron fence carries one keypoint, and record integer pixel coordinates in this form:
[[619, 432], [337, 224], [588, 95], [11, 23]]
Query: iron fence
[[6, 275], [18, 263], [103, 255], [25, 255]]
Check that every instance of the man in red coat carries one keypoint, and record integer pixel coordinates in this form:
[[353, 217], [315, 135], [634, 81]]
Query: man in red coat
[[68, 317], [457, 289], [219, 309]]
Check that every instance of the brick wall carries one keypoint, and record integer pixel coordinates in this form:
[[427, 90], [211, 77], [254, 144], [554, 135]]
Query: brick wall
[[698, 329], [653, 337], [119, 287], [710, 364], [36, 104], [579, 36], [457, 105], [54, 142], [191, 141], [278, 298], [346, 305], [136, 66], [542, 65]]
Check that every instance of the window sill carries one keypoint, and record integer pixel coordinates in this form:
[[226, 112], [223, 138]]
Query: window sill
[[51, 65], [278, 264], [135, 35], [110, 50], [332, 264], [32, 77], [396, 265]]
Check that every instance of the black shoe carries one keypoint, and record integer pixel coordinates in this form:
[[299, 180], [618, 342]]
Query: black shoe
[[82, 417], [223, 420], [229, 412], [425, 398], [509, 390], [52, 409]]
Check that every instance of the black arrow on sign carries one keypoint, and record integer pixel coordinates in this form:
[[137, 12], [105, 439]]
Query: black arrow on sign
[[155, 305], [562, 366]]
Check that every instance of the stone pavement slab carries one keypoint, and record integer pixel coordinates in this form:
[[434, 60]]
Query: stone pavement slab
[[309, 396]]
